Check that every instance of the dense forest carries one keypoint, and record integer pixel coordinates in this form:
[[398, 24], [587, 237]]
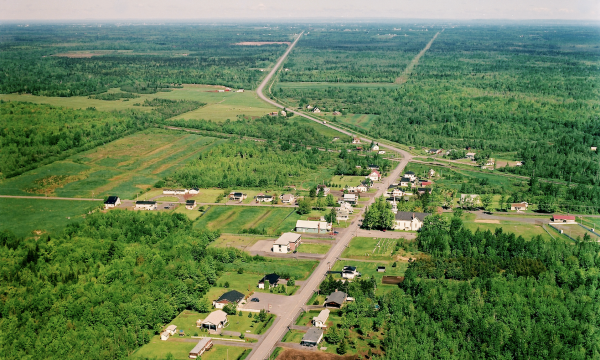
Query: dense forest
[[486, 295], [101, 289], [53, 60]]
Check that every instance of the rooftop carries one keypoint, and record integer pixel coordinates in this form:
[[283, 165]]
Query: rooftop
[[337, 297], [215, 317], [112, 200], [201, 345], [408, 216], [313, 335], [232, 296], [287, 238], [145, 202], [271, 278], [311, 224], [323, 316]]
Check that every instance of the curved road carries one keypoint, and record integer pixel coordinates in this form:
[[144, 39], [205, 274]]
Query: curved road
[[280, 327]]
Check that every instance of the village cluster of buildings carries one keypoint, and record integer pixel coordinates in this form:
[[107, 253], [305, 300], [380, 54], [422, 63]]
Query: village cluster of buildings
[[374, 146]]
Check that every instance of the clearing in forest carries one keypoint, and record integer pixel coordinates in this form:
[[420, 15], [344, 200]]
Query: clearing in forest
[[402, 78]]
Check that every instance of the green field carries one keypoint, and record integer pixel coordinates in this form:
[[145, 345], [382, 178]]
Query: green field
[[24, 216], [232, 219], [293, 336], [363, 121], [369, 269], [157, 348], [370, 249], [237, 241], [324, 130], [575, 231], [346, 181], [219, 106], [122, 167], [313, 248], [298, 269]]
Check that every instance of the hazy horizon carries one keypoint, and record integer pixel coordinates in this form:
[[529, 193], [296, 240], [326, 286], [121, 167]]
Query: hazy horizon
[[285, 10]]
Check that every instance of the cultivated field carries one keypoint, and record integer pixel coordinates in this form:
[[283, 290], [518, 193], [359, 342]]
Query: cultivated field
[[123, 167], [34, 217], [233, 219]]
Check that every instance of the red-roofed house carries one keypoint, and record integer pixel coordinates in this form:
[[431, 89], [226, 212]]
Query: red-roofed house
[[564, 218], [426, 183], [374, 175]]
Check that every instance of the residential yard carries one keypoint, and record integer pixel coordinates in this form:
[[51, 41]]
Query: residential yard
[[299, 269], [575, 231], [208, 196], [191, 214], [234, 219], [313, 248], [123, 167], [369, 269], [591, 222], [364, 248], [237, 241], [345, 181], [34, 217], [158, 349], [335, 318], [293, 336]]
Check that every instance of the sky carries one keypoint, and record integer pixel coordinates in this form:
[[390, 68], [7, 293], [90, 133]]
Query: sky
[[28, 10]]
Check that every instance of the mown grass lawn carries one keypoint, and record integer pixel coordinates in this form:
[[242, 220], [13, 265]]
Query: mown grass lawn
[[299, 269], [24, 216], [233, 219], [345, 181], [293, 336], [158, 349], [237, 241], [366, 248], [313, 248]]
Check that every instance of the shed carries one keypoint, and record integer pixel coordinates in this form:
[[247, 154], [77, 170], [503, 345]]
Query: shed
[[321, 319], [312, 337], [202, 345]]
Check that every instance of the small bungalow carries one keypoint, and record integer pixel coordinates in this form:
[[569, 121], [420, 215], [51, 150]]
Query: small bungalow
[[316, 227], [164, 336], [355, 140], [263, 198], [237, 196], [316, 110], [470, 156], [271, 279], [350, 199], [412, 221], [381, 269], [190, 204], [111, 202], [569, 219], [405, 182], [288, 199], [374, 175], [170, 330], [194, 191], [145, 205], [411, 175], [230, 297], [362, 188], [394, 191], [312, 337], [336, 299], [214, 321], [309, 107], [287, 242], [375, 147], [319, 321], [350, 272], [203, 345], [519, 207]]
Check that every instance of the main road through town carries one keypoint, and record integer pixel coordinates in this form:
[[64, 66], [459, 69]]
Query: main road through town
[[279, 328]]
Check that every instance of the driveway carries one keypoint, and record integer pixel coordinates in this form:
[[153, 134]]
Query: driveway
[[280, 304]]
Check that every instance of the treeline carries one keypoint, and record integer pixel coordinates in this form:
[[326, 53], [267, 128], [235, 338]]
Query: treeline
[[35, 134], [356, 165], [170, 108], [103, 288]]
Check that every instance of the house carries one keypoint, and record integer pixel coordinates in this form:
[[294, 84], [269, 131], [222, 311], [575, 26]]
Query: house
[[175, 191], [271, 279], [288, 199], [346, 207], [350, 272], [145, 205], [470, 200], [381, 152], [164, 336], [412, 221], [230, 297], [394, 191], [519, 207], [170, 330], [240, 90], [426, 183], [319, 321], [593, 148], [336, 299], [336, 113], [431, 172], [203, 345], [274, 113], [316, 227], [381, 269], [325, 189], [374, 175], [312, 337], [316, 110], [351, 189], [263, 198], [362, 188], [283, 113], [423, 190], [518, 163], [287, 242], [237, 196], [190, 204], [375, 147], [350, 199], [342, 215], [411, 175], [355, 140], [435, 151], [405, 182], [220, 90], [111, 202], [470, 156], [309, 107], [569, 219], [194, 191], [214, 321]]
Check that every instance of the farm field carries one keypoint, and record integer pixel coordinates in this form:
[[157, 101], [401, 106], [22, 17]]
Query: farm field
[[219, 107], [233, 219], [363, 121], [123, 167], [180, 350], [33, 217]]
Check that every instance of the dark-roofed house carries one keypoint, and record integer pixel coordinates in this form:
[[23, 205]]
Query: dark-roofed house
[[237, 196], [203, 345], [263, 198], [230, 297], [190, 204], [271, 279], [145, 205], [349, 272], [111, 202], [312, 337], [406, 220], [519, 207], [405, 182], [423, 190], [336, 299]]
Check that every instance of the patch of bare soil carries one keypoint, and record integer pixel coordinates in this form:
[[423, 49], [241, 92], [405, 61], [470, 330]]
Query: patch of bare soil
[[292, 354], [259, 43], [488, 221]]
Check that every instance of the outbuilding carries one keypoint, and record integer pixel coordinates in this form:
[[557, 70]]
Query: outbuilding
[[312, 337], [316, 227], [569, 219], [287, 242], [145, 205], [319, 321], [230, 297], [214, 321], [111, 202], [203, 345]]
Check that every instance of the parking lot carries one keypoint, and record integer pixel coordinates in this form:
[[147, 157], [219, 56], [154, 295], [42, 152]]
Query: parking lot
[[279, 304]]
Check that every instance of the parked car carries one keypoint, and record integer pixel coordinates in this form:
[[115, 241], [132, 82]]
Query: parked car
[[255, 300]]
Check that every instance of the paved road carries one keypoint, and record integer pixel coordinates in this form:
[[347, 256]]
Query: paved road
[[280, 327]]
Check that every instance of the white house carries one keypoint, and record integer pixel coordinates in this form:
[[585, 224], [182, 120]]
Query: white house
[[374, 175], [411, 175], [411, 221], [309, 107], [405, 182], [288, 199], [164, 336], [263, 198], [170, 330], [351, 189], [470, 156], [350, 272], [431, 172], [230, 297], [350, 199], [190, 204], [287, 242], [375, 147], [194, 191], [316, 227], [361, 188], [355, 140], [237, 196], [342, 215], [175, 191], [319, 321], [145, 205], [203, 345], [112, 202], [381, 152], [519, 207], [214, 321], [316, 110], [347, 207]]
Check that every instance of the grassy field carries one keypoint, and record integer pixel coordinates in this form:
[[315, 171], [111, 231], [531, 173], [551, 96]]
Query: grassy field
[[191, 214], [293, 336], [24, 216], [369, 269], [299, 269], [365, 248], [232, 219], [363, 121], [157, 348], [122, 167], [345, 181], [591, 222], [324, 130], [207, 195], [219, 106], [575, 231], [237, 241], [326, 85], [314, 248]]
